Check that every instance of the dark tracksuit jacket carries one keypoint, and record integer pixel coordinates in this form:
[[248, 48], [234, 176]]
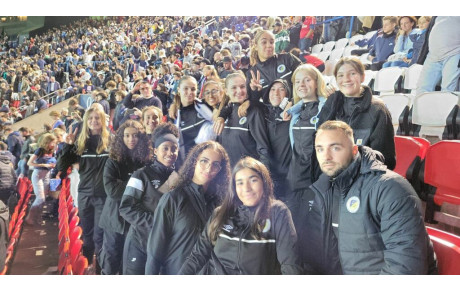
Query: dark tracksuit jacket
[[280, 66], [378, 228], [116, 176], [247, 136], [236, 251], [179, 219], [369, 118], [141, 102], [190, 125], [140, 200]]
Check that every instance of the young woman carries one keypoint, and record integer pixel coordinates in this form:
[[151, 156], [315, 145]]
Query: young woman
[[268, 66], [141, 196], [182, 213], [57, 122], [90, 151], [355, 105], [129, 151], [250, 233], [245, 136], [190, 115], [152, 116], [43, 160], [215, 97]]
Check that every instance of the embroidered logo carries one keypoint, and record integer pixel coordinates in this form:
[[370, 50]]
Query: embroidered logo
[[243, 120], [267, 226], [227, 227], [156, 183], [314, 120], [353, 204], [281, 68], [359, 141], [182, 123]]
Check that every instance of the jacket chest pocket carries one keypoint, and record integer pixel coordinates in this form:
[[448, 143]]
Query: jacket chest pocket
[[362, 136]]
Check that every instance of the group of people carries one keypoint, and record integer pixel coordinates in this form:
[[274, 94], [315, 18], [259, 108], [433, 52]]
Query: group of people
[[264, 172]]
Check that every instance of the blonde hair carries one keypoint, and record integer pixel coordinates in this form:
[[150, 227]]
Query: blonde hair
[[313, 73], [45, 140], [85, 132]]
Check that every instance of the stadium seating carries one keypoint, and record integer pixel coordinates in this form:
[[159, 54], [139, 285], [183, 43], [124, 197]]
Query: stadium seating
[[317, 48], [328, 46], [399, 107], [408, 157], [431, 117], [411, 76], [389, 80], [447, 249], [442, 171], [336, 54], [341, 43], [324, 55]]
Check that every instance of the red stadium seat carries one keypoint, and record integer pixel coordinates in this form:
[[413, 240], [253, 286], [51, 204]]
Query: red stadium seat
[[75, 249], [442, 171], [80, 265], [447, 249], [76, 233], [407, 156], [74, 222]]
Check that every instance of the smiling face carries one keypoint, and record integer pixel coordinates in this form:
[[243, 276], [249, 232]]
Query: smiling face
[[406, 25], [130, 137], [349, 80], [236, 89], [166, 153], [305, 86], [277, 94], [95, 123], [212, 94], [265, 47], [207, 167], [187, 91], [150, 120], [249, 187]]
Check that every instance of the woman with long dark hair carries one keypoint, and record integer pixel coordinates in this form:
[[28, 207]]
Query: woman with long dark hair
[[250, 233], [129, 151], [141, 196], [182, 213]]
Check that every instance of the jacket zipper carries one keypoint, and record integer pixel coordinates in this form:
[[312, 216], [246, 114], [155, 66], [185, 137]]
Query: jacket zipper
[[239, 248]]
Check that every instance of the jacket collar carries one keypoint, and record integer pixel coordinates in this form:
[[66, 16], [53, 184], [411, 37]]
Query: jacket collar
[[365, 104]]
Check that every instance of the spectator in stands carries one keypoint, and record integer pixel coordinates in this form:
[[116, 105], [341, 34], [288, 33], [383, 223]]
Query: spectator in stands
[[129, 151], [418, 39], [151, 117], [141, 196], [52, 86], [40, 103], [147, 98], [404, 42], [90, 151], [39, 90], [354, 103], [14, 141], [307, 33], [5, 152], [309, 59], [440, 55], [268, 66], [43, 160], [57, 122], [369, 42], [23, 169], [281, 38], [248, 205], [228, 68], [101, 98], [371, 219], [189, 115], [182, 213], [246, 135], [384, 45], [214, 96]]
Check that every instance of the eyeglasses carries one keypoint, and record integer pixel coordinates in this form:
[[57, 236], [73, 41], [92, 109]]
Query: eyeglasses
[[205, 164], [213, 92]]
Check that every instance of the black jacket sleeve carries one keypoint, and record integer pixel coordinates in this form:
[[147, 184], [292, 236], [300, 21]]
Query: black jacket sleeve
[[113, 185], [382, 136], [157, 243], [67, 158], [128, 101], [131, 208], [200, 255], [258, 130]]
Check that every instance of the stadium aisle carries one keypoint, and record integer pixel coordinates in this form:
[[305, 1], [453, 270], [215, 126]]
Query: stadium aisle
[[37, 251]]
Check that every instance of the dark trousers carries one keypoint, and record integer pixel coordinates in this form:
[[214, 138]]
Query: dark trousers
[[111, 254], [89, 210], [134, 258]]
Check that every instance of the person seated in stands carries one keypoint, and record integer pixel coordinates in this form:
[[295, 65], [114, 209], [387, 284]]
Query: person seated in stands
[[228, 68], [404, 42], [369, 217], [384, 45], [40, 103], [418, 39], [307, 58], [369, 42], [147, 97]]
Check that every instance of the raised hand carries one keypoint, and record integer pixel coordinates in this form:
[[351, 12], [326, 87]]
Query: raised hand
[[219, 125], [255, 82], [70, 138]]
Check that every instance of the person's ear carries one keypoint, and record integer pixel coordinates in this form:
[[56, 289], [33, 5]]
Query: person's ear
[[355, 150]]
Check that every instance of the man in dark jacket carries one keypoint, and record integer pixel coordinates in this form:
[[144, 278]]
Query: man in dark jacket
[[364, 219], [384, 45], [14, 142]]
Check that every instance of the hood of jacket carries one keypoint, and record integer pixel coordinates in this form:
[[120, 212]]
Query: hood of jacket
[[266, 97]]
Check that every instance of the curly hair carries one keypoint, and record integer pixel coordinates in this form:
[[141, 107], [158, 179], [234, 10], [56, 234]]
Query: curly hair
[[231, 200], [220, 183], [163, 129], [120, 152]]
